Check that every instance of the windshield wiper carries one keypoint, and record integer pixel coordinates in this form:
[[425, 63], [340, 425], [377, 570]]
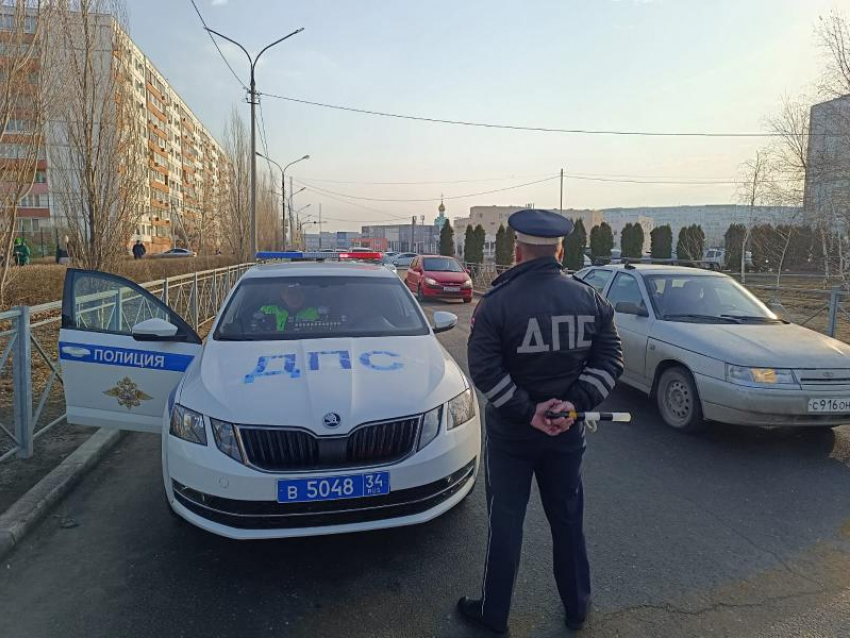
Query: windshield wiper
[[754, 318], [696, 317]]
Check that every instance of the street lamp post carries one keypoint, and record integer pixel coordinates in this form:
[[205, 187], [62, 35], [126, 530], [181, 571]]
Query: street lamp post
[[252, 97], [283, 190], [301, 223]]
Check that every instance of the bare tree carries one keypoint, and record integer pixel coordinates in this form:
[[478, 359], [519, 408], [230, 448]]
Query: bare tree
[[833, 34], [788, 157], [753, 190], [236, 212], [23, 34], [268, 225], [99, 167], [832, 172]]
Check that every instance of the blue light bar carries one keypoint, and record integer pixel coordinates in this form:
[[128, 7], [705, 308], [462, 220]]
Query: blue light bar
[[295, 255]]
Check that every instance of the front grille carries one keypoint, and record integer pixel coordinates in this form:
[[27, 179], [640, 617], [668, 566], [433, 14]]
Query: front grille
[[382, 442], [273, 515], [285, 449], [825, 378], [280, 449]]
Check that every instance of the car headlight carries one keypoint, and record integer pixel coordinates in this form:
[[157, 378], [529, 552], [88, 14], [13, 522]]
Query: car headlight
[[430, 427], [188, 425], [760, 376], [225, 439], [467, 284], [461, 409], [431, 282]]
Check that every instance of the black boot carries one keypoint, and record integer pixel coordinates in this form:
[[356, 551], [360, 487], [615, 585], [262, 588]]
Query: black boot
[[471, 611], [576, 623]]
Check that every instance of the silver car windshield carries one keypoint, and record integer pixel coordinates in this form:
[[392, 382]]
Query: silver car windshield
[[319, 307], [705, 298]]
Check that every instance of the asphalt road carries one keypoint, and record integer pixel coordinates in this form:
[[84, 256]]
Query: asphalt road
[[733, 533]]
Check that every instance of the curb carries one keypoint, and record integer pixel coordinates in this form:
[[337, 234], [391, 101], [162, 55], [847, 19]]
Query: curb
[[20, 519]]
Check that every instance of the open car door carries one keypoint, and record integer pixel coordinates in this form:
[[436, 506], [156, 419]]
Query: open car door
[[122, 352]]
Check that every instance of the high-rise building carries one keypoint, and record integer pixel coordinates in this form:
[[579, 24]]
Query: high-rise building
[[827, 196], [183, 185]]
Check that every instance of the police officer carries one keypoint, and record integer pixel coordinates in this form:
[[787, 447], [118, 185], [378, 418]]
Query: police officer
[[540, 342], [290, 306]]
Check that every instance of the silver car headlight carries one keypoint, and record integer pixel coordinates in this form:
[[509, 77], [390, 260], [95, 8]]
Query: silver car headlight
[[430, 427], [461, 409], [760, 376], [188, 425], [225, 439]]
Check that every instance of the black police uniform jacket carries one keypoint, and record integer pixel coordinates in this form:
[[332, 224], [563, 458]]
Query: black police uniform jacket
[[539, 334]]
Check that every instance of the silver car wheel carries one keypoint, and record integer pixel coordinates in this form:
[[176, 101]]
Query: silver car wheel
[[678, 401]]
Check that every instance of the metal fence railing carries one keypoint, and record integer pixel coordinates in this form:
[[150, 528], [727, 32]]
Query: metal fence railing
[[483, 274], [823, 310], [31, 397]]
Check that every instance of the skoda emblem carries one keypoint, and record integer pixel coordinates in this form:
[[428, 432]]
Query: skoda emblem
[[331, 420]]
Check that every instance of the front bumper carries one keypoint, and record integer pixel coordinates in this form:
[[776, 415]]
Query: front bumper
[[438, 292], [765, 407], [224, 497], [401, 507]]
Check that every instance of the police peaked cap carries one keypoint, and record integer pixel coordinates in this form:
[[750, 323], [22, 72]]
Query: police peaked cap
[[539, 227]]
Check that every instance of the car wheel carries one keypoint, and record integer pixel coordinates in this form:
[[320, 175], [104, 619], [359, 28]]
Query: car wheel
[[467, 300], [678, 400]]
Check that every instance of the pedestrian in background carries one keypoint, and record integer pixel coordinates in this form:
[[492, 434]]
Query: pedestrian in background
[[21, 252], [540, 342], [139, 249], [63, 258]]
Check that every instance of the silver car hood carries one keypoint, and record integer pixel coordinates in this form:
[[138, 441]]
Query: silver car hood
[[765, 345]]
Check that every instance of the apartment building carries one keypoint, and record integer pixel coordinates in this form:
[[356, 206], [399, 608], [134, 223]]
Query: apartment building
[[827, 195], [714, 219], [184, 188]]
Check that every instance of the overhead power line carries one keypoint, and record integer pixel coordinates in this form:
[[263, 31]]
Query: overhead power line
[[215, 44], [388, 216], [536, 129], [428, 199], [432, 182]]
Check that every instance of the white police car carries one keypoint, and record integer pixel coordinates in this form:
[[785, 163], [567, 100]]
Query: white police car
[[320, 403]]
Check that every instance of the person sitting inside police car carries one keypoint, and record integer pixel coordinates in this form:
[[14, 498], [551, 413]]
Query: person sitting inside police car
[[290, 306]]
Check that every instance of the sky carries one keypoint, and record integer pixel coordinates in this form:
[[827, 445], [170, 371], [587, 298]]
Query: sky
[[633, 65]]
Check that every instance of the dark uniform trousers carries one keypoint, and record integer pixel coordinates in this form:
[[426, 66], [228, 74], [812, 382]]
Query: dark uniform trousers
[[509, 465]]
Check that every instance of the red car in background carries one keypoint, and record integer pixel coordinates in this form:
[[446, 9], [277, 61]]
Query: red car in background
[[438, 277]]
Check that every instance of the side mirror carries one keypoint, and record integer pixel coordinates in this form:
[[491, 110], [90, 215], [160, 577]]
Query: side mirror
[[444, 321], [155, 330], [630, 308]]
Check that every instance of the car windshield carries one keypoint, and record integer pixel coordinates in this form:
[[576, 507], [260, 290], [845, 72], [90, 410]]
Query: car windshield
[[319, 307], [705, 298], [441, 264]]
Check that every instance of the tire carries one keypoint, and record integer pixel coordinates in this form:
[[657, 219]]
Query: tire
[[467, 300], [678, 400]]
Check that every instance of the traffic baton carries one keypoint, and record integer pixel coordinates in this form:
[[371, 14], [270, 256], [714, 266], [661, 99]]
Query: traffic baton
[[619, 417]]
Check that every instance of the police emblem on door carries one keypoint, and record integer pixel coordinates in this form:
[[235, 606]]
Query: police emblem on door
[[331, 420], [128, 393]]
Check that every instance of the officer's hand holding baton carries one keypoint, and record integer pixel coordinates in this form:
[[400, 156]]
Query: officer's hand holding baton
[[552, 417]]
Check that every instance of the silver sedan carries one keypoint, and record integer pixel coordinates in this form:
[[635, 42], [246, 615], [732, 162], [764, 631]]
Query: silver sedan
[[708, 350]]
